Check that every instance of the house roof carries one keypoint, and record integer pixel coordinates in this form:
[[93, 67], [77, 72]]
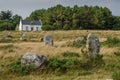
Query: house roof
[[28, 22]]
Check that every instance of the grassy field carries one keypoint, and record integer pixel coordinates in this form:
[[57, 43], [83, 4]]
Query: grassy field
[[11, 48]]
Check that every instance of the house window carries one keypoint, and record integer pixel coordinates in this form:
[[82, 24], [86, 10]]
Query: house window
[[26, 28], [36, 28]]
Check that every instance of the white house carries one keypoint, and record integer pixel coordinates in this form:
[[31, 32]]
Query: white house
[[27, 25]]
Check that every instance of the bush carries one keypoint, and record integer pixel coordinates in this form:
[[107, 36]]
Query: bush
[[116, 75], [73, 63], [16, 67], [63, 64], [70, 54], [48, 27], [17, 28]]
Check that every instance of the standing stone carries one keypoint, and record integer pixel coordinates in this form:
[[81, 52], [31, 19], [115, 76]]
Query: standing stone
[[93, 45], [48, 39], [23, 37], [36, 60]]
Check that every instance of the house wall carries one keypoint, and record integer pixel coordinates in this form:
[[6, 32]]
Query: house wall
[[30, 28], [20, 26]]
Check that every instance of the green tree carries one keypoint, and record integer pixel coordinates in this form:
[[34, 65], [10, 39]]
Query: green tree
[[6, 15], [67, 18], [6, 25], [8, 21], [116, 22], [16, 19]]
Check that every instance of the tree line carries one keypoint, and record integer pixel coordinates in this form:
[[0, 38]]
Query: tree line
[[69, 18], [8, 21], [66, 18]]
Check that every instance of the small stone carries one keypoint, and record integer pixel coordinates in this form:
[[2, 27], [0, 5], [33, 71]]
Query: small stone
[[80, 39]]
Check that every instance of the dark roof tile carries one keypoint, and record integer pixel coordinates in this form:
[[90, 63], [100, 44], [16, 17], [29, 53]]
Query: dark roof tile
[[27, 22]]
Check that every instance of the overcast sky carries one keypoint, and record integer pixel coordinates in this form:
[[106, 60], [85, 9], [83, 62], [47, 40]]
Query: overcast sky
[[25, 7]]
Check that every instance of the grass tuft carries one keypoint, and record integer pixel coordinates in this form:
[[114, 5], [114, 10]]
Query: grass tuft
[[70, 54], [116, 75]]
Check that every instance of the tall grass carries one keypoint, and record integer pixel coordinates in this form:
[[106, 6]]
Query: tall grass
[[112, 42], [70, 54]]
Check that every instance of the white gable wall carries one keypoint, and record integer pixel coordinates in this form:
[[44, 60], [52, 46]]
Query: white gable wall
[[20, 26]]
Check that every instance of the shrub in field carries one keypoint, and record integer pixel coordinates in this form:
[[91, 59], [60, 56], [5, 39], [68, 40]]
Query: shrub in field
[[66, 64], [116, 75], [112, 42], [70, 54], [63, 64], [58, 65], [16, 67]]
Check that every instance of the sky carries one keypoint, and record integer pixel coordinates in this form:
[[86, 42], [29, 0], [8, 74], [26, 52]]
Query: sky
[[25, 7]]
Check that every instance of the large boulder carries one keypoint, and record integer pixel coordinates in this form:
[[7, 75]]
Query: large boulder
[[93, 45], [48, 39], [36, 60]]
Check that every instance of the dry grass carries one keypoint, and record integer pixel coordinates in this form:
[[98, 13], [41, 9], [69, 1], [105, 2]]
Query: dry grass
[[60, 39]]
